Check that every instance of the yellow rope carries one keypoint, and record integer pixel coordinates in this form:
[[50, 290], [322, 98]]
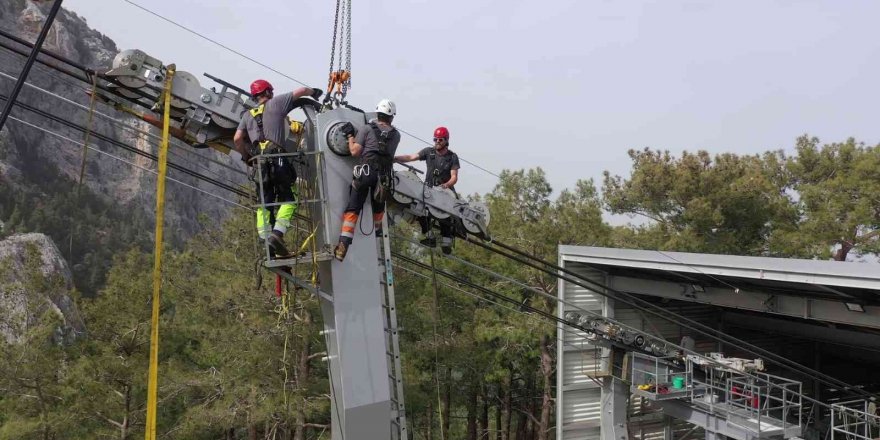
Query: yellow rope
[[152, 387]]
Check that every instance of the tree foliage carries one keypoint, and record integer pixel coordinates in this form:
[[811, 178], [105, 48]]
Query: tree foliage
[[819, 202], [728, 204], [839, 198]]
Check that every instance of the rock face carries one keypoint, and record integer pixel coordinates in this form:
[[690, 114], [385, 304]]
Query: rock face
[[70, 36], [130, 186], [34, 278]]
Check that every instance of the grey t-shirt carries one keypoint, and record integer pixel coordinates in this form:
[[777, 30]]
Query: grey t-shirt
[[276, 125], [439, 167], [367, 138]]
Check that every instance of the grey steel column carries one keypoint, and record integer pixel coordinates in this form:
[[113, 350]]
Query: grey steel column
[[353, 321], [22, 77], [615, 395]]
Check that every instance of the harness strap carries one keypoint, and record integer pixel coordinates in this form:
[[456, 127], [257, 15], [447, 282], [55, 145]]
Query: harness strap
[[262, 143]]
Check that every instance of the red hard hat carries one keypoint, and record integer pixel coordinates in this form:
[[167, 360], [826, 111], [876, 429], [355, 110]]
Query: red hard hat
[[260, 86], [441, 132]]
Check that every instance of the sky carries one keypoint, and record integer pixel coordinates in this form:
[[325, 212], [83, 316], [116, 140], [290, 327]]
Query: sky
[[568, 86]]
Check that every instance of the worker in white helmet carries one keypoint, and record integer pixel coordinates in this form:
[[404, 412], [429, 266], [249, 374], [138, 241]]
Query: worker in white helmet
[[375, 145]]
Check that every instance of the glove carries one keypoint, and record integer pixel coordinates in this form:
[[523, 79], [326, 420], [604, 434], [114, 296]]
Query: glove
[[316, 93], [246, 159], [347, 129]]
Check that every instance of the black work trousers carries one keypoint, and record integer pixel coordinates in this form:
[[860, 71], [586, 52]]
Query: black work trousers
[[361, 188], [445, 224]]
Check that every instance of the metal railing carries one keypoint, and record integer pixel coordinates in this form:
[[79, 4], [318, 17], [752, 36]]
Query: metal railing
[[306, 191], [762, 404], [769, 402], [661, 378], [854, 420]]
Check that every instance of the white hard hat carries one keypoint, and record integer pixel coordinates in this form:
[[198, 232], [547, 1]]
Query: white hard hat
[[387, 107]]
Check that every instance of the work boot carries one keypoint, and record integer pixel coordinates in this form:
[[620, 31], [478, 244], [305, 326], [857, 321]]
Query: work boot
[[340, 250], [276, 244], [429, 240], [446, 245]]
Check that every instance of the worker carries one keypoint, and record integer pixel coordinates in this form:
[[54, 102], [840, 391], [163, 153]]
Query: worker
[[267, 127], [442, 171], [375, 144]]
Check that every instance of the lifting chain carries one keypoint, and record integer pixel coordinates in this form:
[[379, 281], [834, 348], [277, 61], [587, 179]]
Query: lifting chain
[[339, 81], [333, 44], [347, 83]]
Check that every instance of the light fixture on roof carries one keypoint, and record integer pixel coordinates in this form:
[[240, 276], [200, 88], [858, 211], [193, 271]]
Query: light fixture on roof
[[853, 307]]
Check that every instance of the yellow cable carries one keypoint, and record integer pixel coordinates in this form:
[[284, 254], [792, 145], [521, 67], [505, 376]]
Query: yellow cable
[[153, 382]]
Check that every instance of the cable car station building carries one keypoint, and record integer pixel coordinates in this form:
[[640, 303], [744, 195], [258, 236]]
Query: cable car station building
[[682, 345]]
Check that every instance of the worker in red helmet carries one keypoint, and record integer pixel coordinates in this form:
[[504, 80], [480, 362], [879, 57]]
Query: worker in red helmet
[[442, 172], [263, 130]]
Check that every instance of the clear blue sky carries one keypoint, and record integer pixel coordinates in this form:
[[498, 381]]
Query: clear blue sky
[[565, 85]]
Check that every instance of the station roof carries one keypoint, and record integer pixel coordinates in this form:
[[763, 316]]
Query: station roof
[[835, 280]]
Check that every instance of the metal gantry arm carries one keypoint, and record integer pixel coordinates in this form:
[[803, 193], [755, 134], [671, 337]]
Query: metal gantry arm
[[413, 198]]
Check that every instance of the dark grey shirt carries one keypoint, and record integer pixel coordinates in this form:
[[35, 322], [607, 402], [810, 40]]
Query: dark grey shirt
[[276, 125], [439, 167], [367, 139]]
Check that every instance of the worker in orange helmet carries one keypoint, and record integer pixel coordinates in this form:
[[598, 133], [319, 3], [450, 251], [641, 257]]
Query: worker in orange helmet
[[267, 127], [442, 172]]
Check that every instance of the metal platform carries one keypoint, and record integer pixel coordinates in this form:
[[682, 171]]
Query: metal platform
[[305, 258], [661, 374], [721, 400], [728, 421]]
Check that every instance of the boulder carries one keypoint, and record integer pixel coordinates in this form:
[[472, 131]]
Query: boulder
[[34, 279]]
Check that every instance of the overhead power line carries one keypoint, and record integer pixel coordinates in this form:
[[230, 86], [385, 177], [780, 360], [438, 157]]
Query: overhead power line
[[114, 157], [234, 189], [634, 301], [211, 40]]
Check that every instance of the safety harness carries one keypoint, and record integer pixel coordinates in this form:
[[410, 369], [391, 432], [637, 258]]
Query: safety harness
[[381, 161], [262, 143]]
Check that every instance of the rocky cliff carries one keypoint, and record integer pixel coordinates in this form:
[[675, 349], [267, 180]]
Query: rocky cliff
[[38, 170], [34, 280], [128, 186]]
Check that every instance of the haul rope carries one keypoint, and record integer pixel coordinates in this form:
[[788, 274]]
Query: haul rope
[[82, 165], [152, 386], [436, 350]]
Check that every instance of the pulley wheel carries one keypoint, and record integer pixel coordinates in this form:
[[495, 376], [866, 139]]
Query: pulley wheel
[[337, 141]]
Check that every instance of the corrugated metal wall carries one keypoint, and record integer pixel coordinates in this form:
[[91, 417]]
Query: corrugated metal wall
[[578, 404]]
